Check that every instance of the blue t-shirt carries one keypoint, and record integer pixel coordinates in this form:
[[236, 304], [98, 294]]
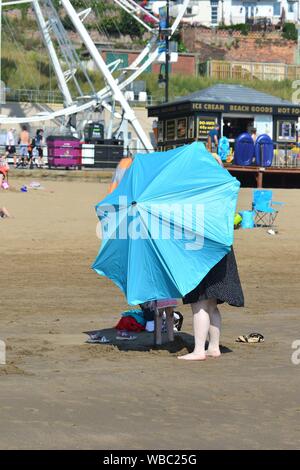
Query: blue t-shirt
[[212, 134], [38, 139]]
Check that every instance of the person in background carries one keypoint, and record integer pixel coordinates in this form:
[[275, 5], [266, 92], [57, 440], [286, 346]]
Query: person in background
[[4, 213], [39, 142], [3, 170], [254, 134], [215, 155], [155, 130], [213, 139], [30, 153], [10, 146], [121, 169], [24, 143]]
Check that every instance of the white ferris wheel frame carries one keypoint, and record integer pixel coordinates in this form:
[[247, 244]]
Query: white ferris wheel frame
[[114, 87]]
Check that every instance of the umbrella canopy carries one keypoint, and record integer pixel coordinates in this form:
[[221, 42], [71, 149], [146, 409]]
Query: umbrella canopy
[[167, 224]]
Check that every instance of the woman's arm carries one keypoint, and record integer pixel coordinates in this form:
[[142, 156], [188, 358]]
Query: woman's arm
[[218, 159]]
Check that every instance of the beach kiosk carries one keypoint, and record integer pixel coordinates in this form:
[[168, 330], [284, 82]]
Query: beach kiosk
[[237, 109]]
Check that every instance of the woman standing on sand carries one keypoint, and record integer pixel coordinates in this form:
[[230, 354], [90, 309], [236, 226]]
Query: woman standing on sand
[[221, 284]]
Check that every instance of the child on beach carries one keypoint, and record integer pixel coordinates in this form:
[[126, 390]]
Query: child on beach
[[153, 312], [165, 306], [3, 170]]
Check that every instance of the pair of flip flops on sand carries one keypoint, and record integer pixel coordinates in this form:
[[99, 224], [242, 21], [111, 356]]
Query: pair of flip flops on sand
[[251, 338]]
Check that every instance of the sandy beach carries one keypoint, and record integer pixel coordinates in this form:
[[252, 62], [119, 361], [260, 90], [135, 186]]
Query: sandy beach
[[57, 392]]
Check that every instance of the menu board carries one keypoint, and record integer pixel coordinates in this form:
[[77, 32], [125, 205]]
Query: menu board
[[160, 131], [191, 128], [170, 130], [205, 124], [181, 128]]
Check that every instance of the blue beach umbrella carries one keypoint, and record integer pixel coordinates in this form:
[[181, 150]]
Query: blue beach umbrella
[[167, 224]]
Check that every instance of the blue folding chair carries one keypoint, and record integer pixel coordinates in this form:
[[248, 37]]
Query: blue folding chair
[[262, 205]]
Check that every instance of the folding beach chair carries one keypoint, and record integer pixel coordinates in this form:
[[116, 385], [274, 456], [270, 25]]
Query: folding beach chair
[[262, 203]]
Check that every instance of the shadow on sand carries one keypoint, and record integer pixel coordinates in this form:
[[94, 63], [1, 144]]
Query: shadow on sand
[[183, 342]]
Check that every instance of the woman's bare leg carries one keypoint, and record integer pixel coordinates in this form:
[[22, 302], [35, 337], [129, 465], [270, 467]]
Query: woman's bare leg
[[201, 323], [214, 330]]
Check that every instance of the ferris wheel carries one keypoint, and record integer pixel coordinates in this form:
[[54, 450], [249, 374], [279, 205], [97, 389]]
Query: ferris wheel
[[67, 64]]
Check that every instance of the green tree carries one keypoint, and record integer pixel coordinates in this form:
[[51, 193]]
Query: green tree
[[128, 25], [289, 31]]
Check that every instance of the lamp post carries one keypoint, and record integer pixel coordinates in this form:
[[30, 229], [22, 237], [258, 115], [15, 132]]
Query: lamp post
[[167, 54], [163, 80]]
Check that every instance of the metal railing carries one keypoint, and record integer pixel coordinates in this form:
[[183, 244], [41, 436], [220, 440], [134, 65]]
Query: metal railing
[[223, 70], [34, 96], [55, 97], [286, 156]]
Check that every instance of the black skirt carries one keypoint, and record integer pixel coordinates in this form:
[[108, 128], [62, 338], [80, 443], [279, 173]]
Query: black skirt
[[222, 283]]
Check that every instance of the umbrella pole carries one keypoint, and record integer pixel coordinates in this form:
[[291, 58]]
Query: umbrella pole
[[158, 328], [170, 325]]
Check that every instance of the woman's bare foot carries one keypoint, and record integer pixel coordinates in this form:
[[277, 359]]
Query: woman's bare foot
[[193, 357], [213, 352]]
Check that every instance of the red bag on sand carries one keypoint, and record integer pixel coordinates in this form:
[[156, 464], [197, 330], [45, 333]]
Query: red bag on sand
[[129, 324]]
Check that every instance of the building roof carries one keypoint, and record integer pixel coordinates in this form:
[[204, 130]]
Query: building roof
[[224, 93]]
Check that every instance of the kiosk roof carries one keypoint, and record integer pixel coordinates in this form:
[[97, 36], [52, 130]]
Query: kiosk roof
[[224, 93]]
